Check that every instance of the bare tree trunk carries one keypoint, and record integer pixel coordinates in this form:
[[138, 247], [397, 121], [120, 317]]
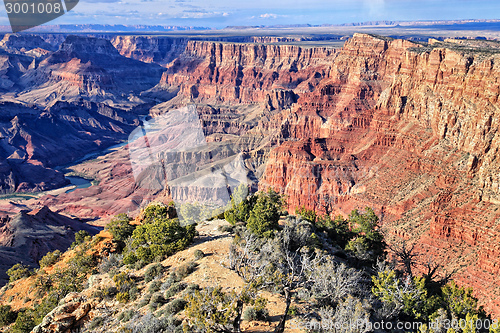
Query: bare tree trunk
[[237, 320], [288, 298]]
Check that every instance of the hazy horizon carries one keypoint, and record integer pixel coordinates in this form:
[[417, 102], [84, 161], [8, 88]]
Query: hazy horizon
[[222, 13]]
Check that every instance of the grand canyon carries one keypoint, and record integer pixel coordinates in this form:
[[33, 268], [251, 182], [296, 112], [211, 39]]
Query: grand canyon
[[407, 127]]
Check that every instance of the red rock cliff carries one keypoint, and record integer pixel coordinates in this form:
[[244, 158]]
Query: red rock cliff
[[245, 73], [410, 131]]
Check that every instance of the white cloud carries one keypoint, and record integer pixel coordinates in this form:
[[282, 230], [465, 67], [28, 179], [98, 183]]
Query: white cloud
[[268, 15], [197, 14]]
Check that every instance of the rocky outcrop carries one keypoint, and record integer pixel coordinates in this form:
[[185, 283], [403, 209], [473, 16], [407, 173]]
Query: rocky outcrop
[[12, 67], [162, 50], [22, 43], [68, 316]]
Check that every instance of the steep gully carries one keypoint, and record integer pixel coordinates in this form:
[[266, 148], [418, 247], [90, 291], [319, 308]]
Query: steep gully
[[410, 130]]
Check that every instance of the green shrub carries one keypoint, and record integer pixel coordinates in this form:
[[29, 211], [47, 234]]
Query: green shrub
[[459, 300], [177, 275], [337, 230], [133, 293], [241, 205], [265, 214], [191, 288], [152, 272], [96, 322], [50, 258], [120, 227], [123, 297], [190, 213], [111, 263], [175, 306], [46, 305], [198, 254], [168, 283], [157, 298], [306, 214], [123, 281], [185, 269], [158, 239], [174, 277], [7, 316], [27, 319], [368, 243], [80, 238], [156, 301], [251, 314], [24, 323], [96, 239], [139, 264], [150, 324], [158, 212], [387, 287], [175, 289], [110, 292], [83, 262], [126, 315], [210, 310], [293, 311], [144, 300], [154, 286], [70, 279], [18, 271]]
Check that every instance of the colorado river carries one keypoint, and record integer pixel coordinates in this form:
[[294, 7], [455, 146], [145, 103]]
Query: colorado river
[[76, 182], [79, 182]]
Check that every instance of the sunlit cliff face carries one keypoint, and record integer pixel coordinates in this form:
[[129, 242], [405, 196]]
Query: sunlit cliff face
[[410, 130]]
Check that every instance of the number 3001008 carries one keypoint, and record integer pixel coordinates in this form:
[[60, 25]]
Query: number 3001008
[[32, 8]]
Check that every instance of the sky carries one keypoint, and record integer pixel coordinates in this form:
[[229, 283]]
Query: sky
[[222, 13]]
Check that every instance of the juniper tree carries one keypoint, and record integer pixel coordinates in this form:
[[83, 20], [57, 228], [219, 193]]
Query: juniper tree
[[278, 263]]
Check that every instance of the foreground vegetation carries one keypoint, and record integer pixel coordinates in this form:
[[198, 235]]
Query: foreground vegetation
[[156, 238], [326, 270], [338, 270]]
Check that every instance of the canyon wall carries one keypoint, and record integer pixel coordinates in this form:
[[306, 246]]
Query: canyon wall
[[50, 105], [413, 132], [409, 129], [160, 50], [217, 72]]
